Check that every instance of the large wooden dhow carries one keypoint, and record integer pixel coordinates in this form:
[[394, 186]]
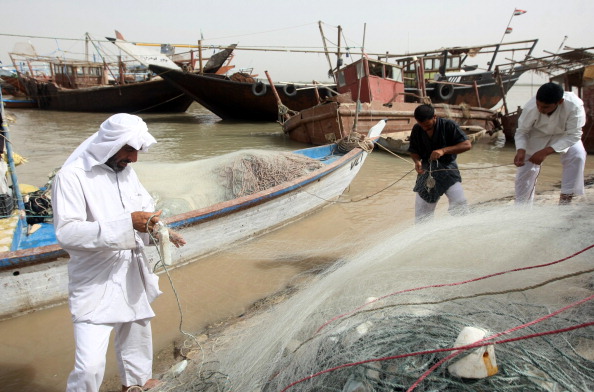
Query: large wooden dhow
[[33, 267], [241, 97], [371, 90], [56, 83]]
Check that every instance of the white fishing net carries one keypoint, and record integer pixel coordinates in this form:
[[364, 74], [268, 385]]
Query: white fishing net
[[382, 318], [182, 187]]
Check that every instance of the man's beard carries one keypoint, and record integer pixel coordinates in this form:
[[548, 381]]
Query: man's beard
[[113, 163]]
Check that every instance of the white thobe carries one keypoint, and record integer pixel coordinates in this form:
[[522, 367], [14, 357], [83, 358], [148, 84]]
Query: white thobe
[[109, 280], [562, 131], [110, 284]]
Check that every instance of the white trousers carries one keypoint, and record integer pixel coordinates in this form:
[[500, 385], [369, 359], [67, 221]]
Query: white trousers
[[572, 178], [456, 198], [134, 353]]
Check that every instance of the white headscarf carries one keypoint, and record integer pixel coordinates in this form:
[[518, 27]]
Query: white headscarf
[[115, 132]]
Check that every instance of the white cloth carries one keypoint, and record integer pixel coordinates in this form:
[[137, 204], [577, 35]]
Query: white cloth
[[109, 279], [572, 178], [133, 344], [561, 130], [457, 204], [113, 134]]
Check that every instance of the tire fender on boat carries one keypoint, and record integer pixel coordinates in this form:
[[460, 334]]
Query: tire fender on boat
[[290, 90], [445, 91], [258, 89]]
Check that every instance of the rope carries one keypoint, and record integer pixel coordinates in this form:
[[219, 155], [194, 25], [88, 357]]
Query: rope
[[160, 261], [354, 140]]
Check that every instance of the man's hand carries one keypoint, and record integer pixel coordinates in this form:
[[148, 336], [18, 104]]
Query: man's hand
[[140, 219], [520, 157], [419, 167], [436, 154], [539, 156]]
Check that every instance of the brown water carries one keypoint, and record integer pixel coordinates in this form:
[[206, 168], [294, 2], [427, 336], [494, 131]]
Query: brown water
[[37, 349]]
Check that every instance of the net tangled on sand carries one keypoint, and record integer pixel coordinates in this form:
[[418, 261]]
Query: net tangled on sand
[[218, 179], [381, 320]]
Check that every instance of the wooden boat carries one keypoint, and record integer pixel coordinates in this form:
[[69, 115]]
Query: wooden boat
[[379, 88], [33, 272], [241, 97], [19, 103], [449, 79], [84, 86]]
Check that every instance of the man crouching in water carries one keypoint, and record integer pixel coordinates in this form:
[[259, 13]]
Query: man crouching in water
[[102, 217]]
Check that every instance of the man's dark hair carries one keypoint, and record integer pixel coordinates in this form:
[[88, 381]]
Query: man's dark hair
[[549, 93], [424, 112]]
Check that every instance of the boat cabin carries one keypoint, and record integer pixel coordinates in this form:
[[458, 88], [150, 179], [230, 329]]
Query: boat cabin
[[433, 67], [371, 80], [79, 74]]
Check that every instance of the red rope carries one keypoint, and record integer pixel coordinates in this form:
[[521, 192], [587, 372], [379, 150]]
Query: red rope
[[453, 284]]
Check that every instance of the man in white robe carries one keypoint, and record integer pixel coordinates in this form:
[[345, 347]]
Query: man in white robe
[[550, 123], [101, 217]]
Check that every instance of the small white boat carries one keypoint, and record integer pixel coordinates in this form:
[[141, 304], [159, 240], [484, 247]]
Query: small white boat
[[33, 273]]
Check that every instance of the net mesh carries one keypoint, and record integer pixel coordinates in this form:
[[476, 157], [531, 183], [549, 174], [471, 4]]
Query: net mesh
[[379, 320], [190, 186]]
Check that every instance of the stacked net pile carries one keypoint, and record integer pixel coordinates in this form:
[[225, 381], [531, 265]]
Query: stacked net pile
[[183, 187], [387, 318]]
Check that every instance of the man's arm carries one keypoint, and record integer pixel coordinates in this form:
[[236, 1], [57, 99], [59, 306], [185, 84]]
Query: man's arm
[[455, 149]]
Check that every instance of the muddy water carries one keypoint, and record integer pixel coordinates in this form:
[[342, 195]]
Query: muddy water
[[37, 349]]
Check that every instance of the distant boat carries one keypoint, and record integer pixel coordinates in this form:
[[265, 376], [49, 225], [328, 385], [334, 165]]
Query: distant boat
[[242, 98], [19, 103], [84, 86], [449, 79], [33, 272], [371, 90]]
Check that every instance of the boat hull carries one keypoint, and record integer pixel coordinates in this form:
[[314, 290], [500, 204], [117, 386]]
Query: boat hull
[[242, 101], [37, 278], [154, 96], [331, 121]]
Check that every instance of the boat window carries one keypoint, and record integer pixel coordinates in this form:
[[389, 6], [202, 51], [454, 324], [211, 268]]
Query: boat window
[[395, 73], [456, 63], [340, 77], [429, 64], [80, 71], [360, 70]]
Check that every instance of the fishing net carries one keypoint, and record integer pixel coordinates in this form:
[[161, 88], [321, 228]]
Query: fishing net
[[386, 318], [183, 187]]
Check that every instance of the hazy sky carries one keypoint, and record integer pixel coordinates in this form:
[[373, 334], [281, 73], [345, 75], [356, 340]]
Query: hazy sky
[[393, 26]]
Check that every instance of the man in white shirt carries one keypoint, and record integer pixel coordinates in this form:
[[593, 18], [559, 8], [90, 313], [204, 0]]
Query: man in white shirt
[[102, 216], [550, 123]]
